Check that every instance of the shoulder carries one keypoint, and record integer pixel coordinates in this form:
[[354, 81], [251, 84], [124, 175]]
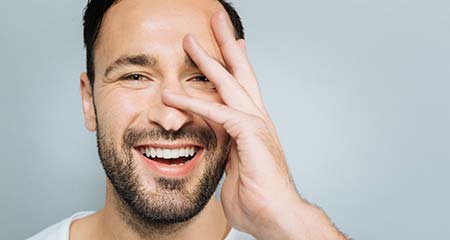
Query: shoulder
[[237, 235], [60, 230]]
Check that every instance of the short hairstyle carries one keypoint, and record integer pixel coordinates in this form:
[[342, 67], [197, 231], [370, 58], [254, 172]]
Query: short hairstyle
[[92, 20]]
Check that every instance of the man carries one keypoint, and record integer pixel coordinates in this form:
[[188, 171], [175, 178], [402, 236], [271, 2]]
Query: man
[[175, 103]]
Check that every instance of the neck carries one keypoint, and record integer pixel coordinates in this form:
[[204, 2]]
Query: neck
[[115, 221]]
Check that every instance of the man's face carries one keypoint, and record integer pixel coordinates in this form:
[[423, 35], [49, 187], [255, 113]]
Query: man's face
[[146, 147]]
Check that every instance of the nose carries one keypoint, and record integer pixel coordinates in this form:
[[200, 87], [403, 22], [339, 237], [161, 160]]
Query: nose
[[169, 118]]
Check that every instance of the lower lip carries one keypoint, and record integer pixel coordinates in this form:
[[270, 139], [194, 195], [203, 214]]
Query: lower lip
[[172, 171]]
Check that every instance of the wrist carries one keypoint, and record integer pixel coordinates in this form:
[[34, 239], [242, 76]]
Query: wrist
[[297, 219], [283, 221]]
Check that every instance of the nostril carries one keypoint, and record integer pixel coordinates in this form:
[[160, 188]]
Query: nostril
[[169, 118]]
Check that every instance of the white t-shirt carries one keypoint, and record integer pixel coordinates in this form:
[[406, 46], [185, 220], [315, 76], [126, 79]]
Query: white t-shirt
[[60, 231]]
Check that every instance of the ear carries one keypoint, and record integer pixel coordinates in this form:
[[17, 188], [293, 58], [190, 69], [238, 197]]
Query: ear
[[88, 103]]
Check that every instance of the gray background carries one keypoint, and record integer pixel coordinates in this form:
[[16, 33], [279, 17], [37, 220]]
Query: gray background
[[358, 90]]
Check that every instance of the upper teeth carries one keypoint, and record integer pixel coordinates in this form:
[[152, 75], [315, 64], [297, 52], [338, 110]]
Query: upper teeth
[[169, 153]]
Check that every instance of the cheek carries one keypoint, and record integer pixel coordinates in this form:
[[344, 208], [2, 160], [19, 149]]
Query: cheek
[[220, 133], [211, 96], [117, 110]]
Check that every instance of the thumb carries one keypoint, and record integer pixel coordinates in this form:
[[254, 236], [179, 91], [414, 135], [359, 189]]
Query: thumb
[[232, 166]]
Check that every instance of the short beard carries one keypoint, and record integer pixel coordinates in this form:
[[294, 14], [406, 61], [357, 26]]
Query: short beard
[[171, 205]]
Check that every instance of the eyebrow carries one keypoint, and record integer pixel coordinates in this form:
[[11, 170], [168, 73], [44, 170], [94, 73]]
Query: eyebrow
[[145, 60], [142, 60], [189, 62]]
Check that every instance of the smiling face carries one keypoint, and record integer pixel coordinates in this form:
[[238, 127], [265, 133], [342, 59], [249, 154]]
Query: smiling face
[[164, 163]]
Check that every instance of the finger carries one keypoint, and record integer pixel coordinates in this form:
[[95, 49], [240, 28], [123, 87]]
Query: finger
[[233, 121], [251, 85], [229, 89], [235, 56], [242, 46], [226, 39], [212, 111]]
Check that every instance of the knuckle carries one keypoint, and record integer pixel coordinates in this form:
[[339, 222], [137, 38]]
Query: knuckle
[[252, 124]]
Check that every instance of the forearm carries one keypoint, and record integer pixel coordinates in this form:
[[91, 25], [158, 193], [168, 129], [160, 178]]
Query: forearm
[[300, 220]]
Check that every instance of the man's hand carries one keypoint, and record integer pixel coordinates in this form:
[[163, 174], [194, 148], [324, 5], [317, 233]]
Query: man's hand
[[258, 195]]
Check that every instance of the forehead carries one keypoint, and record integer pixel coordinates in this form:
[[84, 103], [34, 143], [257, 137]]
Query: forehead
[[155, 27]]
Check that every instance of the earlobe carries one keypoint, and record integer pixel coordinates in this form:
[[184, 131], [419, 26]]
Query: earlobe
[[87, 103]]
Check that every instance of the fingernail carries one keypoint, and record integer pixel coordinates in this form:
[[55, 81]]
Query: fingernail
[[221, 15], [168, 92], [187, 37], [190, 38]]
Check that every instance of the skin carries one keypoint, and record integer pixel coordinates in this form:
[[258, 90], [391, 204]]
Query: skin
[[258, 195]]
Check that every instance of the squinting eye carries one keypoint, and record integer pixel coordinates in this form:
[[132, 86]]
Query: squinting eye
[[135, 81], [201, 82], [200, 79], [134, 77]]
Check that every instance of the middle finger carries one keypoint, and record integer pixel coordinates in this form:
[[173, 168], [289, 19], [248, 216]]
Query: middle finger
[[229, 89]]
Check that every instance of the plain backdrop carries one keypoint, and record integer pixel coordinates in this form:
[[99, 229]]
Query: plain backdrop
[[359, 91]]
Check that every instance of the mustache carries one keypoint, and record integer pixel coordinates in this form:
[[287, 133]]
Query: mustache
[[199, 134]]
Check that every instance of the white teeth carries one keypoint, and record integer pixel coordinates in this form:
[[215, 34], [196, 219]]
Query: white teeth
[[166, 154], [169, 153], [158, 152], [175, 153], [152, 152], [182, 152]]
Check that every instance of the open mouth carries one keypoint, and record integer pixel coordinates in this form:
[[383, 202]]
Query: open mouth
[[172, 157]]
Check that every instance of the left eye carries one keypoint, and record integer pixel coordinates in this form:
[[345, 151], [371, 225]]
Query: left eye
[[134, 77]]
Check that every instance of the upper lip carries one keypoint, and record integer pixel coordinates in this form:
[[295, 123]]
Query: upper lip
[[168, 145]]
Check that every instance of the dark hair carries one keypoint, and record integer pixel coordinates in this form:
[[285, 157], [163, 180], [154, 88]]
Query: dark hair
[[92, 20]]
